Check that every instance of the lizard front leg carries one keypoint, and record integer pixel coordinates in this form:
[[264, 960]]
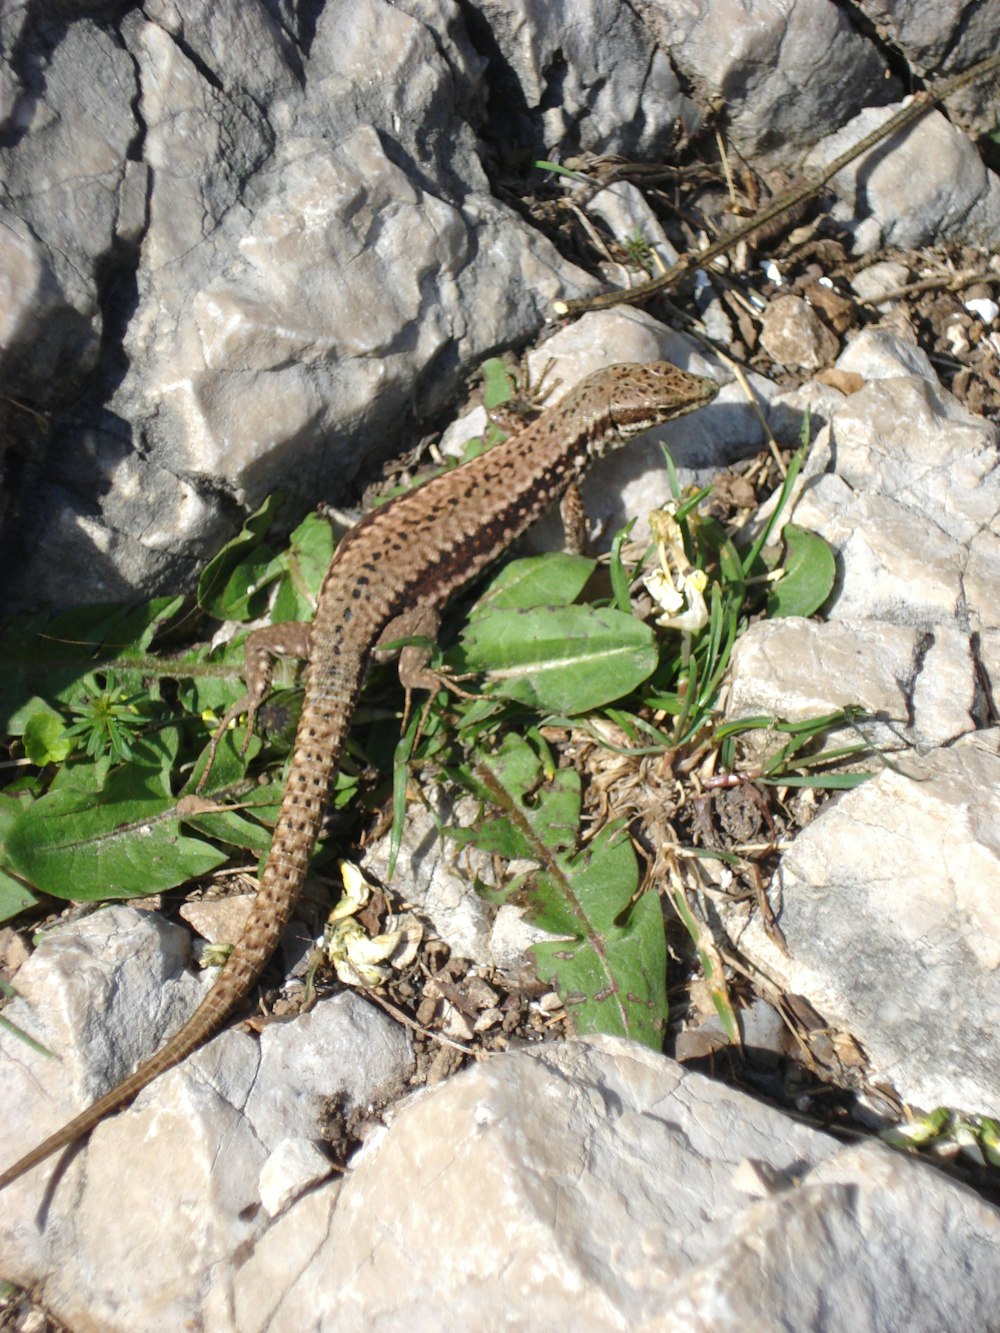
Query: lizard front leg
[[290, 639], [414, 670]]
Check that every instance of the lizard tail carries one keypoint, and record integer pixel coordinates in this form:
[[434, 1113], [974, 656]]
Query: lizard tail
[[319, 745], [209, 1014]]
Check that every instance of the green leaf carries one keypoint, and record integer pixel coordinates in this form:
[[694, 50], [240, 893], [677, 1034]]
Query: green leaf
[[231, 827], [15, 897], [46, 655], [233, 585], [556, 579], [808, 578], [794, 468], [620, 580], [609, 961], [544, 165], [45, 739], [400, 780], [121, 842], [820, 781], [612, 975], [230, 764], [498, 383], [560, 659], [306, 562]]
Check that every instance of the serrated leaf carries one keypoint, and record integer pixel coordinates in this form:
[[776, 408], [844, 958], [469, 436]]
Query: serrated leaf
[[612, 978], [560, 659], [609, 960], [809, 574], [498, 837]]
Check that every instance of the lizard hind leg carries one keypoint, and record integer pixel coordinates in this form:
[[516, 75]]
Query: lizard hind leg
[[415, 672]]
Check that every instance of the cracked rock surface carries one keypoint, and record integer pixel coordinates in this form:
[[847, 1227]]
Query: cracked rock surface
[[248, 245]]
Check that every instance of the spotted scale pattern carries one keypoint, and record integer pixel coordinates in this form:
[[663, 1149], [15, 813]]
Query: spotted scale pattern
[[410, 554]]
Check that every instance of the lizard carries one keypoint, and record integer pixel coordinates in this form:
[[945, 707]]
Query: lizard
[[389, 578]]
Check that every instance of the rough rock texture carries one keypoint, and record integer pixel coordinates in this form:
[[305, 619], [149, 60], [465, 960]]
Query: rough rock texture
[[931, 187], [884, 898], [943, 37], [887, 904], [474, 1210], [246, 247], [134, 1225], [782, 68]]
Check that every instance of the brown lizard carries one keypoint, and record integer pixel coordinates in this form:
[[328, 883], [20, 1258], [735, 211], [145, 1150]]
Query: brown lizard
[[389, 578]]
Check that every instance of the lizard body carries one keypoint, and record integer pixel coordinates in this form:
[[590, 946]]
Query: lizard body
[[397, 566]]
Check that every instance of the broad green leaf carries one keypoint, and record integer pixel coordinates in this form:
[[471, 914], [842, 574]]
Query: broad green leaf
[[498, 383], [210, 679], [542, 580], [14, 896], [309, 555], [560, 659], [155, 755], [123, 841], [231, 827], [612, 977], [233, 584], [230, 764], [45, 739], [498, 837], [808, 578]]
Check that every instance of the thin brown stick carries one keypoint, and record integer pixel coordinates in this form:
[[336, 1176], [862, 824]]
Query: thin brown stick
[[922, 102], [954, 283]]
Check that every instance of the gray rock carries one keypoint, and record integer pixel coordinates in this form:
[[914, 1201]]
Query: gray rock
[[133, 1229], [582, 76], [783, 69], [274, 269], [887, 904], [644, 1198], [929, 185], [944, 36], [920, 685], [883, 897]]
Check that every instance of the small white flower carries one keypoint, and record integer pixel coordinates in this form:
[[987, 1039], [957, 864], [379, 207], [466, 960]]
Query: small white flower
[[358, 958], [676, 586], [356, 893]]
